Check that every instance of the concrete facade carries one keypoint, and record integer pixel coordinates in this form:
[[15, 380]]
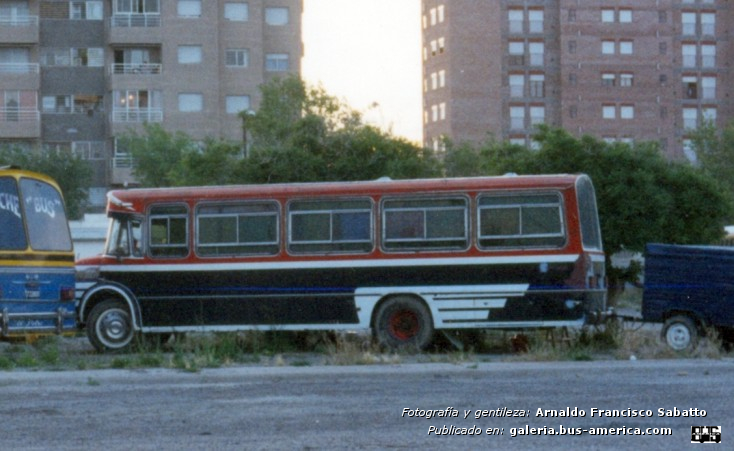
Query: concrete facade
[[76, 74], [629, 70]]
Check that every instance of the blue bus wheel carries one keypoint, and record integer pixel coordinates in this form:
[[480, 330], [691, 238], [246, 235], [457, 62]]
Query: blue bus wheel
[[109, 326]]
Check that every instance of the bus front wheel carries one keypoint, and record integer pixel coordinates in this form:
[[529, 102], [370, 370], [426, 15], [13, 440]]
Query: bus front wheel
[[109, 326], [403, 323]]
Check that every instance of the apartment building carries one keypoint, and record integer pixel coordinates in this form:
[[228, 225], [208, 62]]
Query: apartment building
[[74, 75], [625, 70]]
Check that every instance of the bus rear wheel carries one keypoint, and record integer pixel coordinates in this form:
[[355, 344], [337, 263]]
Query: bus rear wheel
[[109, 326], [403, 323]]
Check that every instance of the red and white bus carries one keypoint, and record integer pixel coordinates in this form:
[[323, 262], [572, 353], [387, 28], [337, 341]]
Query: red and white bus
[[404, 258]]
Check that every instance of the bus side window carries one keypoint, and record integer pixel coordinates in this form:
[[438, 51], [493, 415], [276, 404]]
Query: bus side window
[[169, 231], [137, 238]]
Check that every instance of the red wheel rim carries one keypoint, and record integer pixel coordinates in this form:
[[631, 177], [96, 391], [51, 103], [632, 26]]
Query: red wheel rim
[[404, 324]]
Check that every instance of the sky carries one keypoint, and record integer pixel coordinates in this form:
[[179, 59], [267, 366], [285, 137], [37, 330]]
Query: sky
[[368, 54]]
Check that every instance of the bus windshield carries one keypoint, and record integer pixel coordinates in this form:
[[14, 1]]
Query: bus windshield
[[48, 229], [13, 237], [588, 216]]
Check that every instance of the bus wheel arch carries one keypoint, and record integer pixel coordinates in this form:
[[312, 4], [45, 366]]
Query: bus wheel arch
[[110, 325], [403, 322], [111, 319]]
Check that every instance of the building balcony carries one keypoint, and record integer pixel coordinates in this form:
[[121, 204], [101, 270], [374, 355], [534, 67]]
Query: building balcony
[[18, 68], [122, 170], [19, 30], [20, 76], [20, 123], [137, 115], [135, 69], [135, 28]]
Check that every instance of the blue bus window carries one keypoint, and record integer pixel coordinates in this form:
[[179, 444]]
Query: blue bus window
[[11, 216], [48, 229]]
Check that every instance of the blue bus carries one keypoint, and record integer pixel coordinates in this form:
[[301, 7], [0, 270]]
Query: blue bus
[[36, 257]]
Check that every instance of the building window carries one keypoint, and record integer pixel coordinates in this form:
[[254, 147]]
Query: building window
[[690, 118], [608, 47], [189, 8], [626, 47], [442, 111], [537, 85], [516, 50], [708, 114], [690, 87], [626, 80], [662, 17], [237, 58], [92, 10], [190, 102], [663, 48], [441, 78], [516, 19], [434, 80], [708, 24], [572, 14], [708, 55], [137, 7], [236, 104], [625, 15], [277, 62], [537, 115], [572, 46], [572, 79], [573, 111], [607, 15], [517, 85], [277, 16], [537, 53], [535, 20], [708, 88], [441, 13], [627, 112], [236, 12], [688, 23], [517, 117], [608, 79], [189, 54], [689, 55], [609, 111]]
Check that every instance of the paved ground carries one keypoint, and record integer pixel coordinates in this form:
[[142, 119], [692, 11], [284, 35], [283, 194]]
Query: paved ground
[[362, 407]]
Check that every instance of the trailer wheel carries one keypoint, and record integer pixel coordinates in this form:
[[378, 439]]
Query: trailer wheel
[[403, 323], [109, 326], [680, 333]]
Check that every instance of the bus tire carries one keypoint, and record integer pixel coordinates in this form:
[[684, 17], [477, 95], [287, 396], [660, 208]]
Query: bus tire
[[680, 333], [109, 326], [403, 323]]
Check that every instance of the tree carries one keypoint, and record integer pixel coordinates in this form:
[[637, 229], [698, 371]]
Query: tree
[[73, 174], [641, 196], [301, 133], [715, 151], [157, 154]]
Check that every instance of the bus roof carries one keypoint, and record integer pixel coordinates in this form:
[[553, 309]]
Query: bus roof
[[16, 172], [135, 199]]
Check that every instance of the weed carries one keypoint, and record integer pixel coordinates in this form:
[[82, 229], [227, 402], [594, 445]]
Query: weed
[[6, 363]]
